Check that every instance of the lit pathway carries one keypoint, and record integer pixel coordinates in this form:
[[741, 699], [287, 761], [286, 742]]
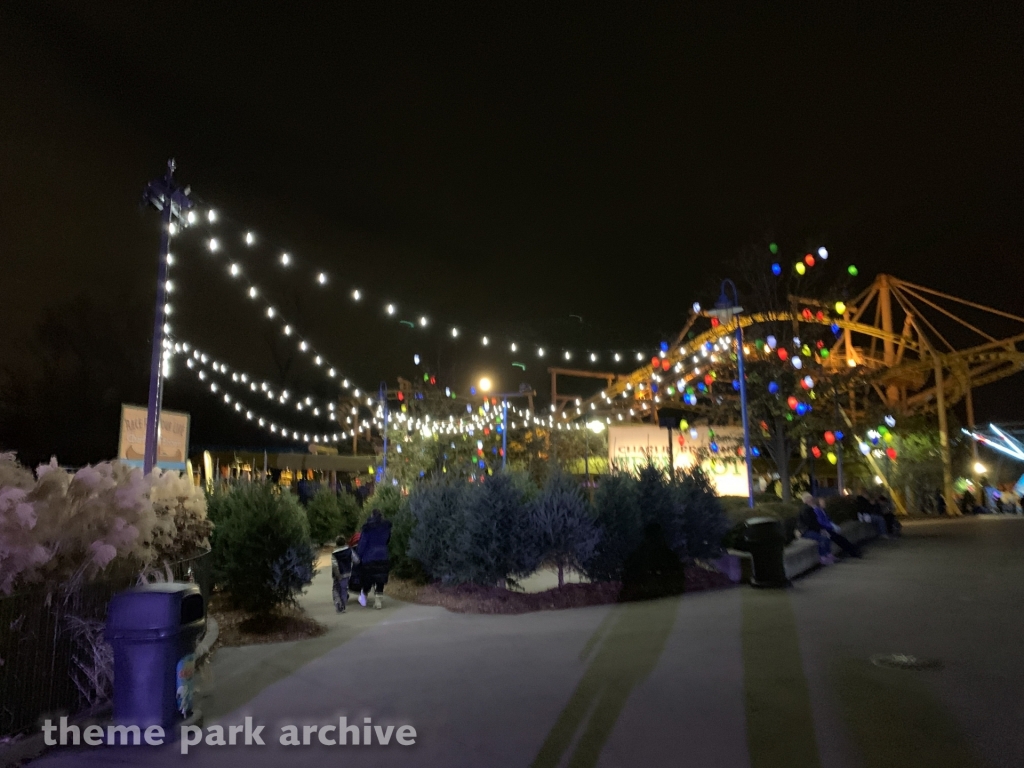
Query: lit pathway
[[732, 679]]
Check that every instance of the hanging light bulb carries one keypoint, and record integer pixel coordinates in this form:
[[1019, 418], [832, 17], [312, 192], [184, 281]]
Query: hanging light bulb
[[356, 295], [235, 270], [285, 259], [390, 309], [423, 322], [253, 293], [270, 311], [455, 332], [250, 238], [485, 341], [287, 330], [213, 245], [211, 215], [322, 278]]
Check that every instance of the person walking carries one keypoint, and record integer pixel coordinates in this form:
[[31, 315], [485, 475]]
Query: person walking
[[341, 570], [374, 560]]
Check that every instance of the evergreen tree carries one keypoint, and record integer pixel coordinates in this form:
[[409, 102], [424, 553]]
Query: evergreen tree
[[564, 529], [499, 544], [618, 515], [437, 541]]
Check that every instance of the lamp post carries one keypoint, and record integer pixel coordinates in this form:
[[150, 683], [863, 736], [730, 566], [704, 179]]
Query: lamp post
[[726, 310], [172, 201], [484, 385]]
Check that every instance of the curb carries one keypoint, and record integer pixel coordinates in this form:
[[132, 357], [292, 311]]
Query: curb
[[207, 640]]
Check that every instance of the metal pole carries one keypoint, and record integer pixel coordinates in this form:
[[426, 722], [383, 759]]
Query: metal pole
[[384, 402], [504, 432], [746, 420], [839, 447], [163, 195], [940, 405], [156, 361]]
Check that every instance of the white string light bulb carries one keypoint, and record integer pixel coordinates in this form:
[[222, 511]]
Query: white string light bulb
[[235, 270], [390, 309], [213, 245], [322, 278], [250, 238], [285, 259], [356, 295], [211, 215]]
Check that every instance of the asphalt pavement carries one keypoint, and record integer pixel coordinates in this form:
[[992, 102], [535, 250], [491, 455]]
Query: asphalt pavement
[[733, 678]]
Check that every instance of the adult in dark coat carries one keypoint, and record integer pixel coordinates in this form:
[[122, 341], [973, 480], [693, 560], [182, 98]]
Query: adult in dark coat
[[374, 560]]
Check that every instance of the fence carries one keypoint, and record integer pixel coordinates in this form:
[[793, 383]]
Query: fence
[[53, 658]]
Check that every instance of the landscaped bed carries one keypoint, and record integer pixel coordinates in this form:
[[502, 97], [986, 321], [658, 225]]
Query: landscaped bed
[[470, 598], [236, 627]]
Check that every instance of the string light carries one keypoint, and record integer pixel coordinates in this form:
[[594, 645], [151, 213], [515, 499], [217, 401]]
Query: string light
[[287, 259]]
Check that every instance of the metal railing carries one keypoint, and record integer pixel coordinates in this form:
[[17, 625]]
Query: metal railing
[[53, 657]]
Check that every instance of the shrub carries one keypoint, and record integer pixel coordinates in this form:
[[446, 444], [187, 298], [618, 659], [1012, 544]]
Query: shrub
[[499, 543], [437, 540], [58, 527], [841, 509], [326, 517], [563, 526], [263, 548], [654, 569], [183, 527], [618, 515], [704, 523]]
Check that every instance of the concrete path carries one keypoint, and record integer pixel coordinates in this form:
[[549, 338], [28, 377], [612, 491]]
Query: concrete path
[[733, 679]]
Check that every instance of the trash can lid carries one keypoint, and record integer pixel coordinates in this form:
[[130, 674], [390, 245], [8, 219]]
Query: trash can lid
[[152, 607], [760, 520]]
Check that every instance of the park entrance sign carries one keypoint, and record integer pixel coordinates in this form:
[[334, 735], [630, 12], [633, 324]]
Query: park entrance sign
[[718, 450], [172, 448]]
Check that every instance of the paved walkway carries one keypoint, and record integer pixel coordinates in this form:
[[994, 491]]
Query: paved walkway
[[733, 679]]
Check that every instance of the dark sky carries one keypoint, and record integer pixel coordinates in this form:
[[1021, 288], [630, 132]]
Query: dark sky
[[508, 166]]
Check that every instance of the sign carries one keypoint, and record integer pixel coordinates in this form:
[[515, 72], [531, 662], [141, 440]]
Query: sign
[[720, 455], [172, 444]]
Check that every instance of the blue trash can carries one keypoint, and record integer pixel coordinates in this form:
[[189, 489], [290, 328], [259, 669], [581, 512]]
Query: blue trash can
[[154, 630]]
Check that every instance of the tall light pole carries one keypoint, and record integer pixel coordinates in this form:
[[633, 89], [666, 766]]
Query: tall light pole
[[484, 385], [384, 405], [172, 201], [726, 310]]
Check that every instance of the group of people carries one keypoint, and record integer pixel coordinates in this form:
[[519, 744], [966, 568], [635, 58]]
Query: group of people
[[877, 510], [362, 563], [815, 524]]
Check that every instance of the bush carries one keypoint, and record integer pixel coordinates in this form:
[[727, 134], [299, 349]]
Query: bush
[[183, 526], [841, 509], [618, 515], [653, 570], [704, 523], [59, 527], [331, 515], [262, 547], [437, 540], [499, 543], [563, 526]]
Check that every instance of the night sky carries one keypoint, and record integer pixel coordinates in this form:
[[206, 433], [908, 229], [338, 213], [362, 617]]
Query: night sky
[[504, 167]]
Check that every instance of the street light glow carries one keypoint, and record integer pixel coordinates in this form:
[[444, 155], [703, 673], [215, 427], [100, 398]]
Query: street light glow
[[485, 384]]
